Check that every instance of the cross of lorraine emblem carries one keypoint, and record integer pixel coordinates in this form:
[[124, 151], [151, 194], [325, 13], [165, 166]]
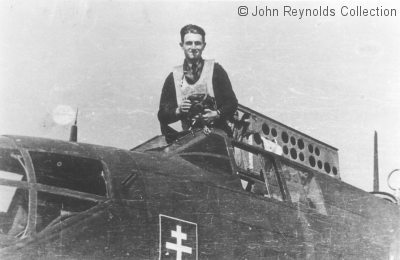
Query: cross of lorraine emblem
[[178, 238]]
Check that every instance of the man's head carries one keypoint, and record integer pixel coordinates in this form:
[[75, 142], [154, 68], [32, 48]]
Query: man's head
[[192, 41]]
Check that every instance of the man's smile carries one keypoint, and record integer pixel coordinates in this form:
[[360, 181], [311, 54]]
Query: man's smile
[[193, 45]]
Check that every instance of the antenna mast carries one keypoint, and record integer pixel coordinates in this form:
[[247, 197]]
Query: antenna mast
[[376, 167], [73, 136]]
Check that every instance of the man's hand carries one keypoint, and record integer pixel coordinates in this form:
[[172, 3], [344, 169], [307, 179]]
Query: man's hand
[[183, 107], [210, 115]]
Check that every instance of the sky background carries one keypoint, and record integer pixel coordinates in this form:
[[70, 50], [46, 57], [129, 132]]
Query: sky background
[[334, 78]]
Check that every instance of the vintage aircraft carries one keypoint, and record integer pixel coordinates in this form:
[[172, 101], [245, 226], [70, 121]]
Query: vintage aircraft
[[270, 192]]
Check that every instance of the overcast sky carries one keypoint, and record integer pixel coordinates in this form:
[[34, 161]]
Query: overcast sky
[[335, 78]]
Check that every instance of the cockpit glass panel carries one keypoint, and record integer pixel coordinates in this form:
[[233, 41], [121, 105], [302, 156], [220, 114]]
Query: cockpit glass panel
[[258, 173], [71, 172], [209, 163], [11, 161], [211, 144], [303, 188], [209, 153], [13, 200], [53, 208]]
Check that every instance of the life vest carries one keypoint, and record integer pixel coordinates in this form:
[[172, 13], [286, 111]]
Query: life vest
[[202, 86]]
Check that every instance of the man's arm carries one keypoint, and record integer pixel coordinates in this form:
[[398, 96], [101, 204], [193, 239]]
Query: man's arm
[[225, 97], [168, 105]]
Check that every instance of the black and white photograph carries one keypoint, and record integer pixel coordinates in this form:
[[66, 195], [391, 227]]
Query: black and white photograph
[[199, 130]]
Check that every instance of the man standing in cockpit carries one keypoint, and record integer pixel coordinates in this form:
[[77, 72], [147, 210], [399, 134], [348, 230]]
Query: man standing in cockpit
[[195, 78]]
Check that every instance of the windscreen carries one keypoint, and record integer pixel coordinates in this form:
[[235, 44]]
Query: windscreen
[[13, 200], [71, 172], [303, 188], [209, 153], [68, 172], [52, 170]]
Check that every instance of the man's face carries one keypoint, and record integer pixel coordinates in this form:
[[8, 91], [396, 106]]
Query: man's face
[[193, 46]]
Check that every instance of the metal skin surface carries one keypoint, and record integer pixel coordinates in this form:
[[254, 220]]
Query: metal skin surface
[[231, 223]]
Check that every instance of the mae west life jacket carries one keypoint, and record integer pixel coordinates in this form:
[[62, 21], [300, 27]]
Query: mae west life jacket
[[202, 86]]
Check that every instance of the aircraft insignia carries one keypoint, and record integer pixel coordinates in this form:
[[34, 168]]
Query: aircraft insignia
[[178, 238]]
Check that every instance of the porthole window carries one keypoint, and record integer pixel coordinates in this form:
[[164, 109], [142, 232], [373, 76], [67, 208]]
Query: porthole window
[[274, 132], [310, 148], [293, 140], [311, 160], [319, 163], [265, 129], [327, 167], [285, 137], [293, 153], [300, 144]]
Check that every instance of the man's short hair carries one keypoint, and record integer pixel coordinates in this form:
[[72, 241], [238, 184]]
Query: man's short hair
[[192, 28]]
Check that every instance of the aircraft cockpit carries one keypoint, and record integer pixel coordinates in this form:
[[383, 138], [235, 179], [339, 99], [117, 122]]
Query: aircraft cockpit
[[268, 164], [41, 189], [272, 186]]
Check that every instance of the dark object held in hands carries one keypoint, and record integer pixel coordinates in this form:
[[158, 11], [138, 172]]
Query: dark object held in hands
[[199, 103]]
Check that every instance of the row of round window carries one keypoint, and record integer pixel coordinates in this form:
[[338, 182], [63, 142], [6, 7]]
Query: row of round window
[[285, 138], [300, 144], [311, 160]]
